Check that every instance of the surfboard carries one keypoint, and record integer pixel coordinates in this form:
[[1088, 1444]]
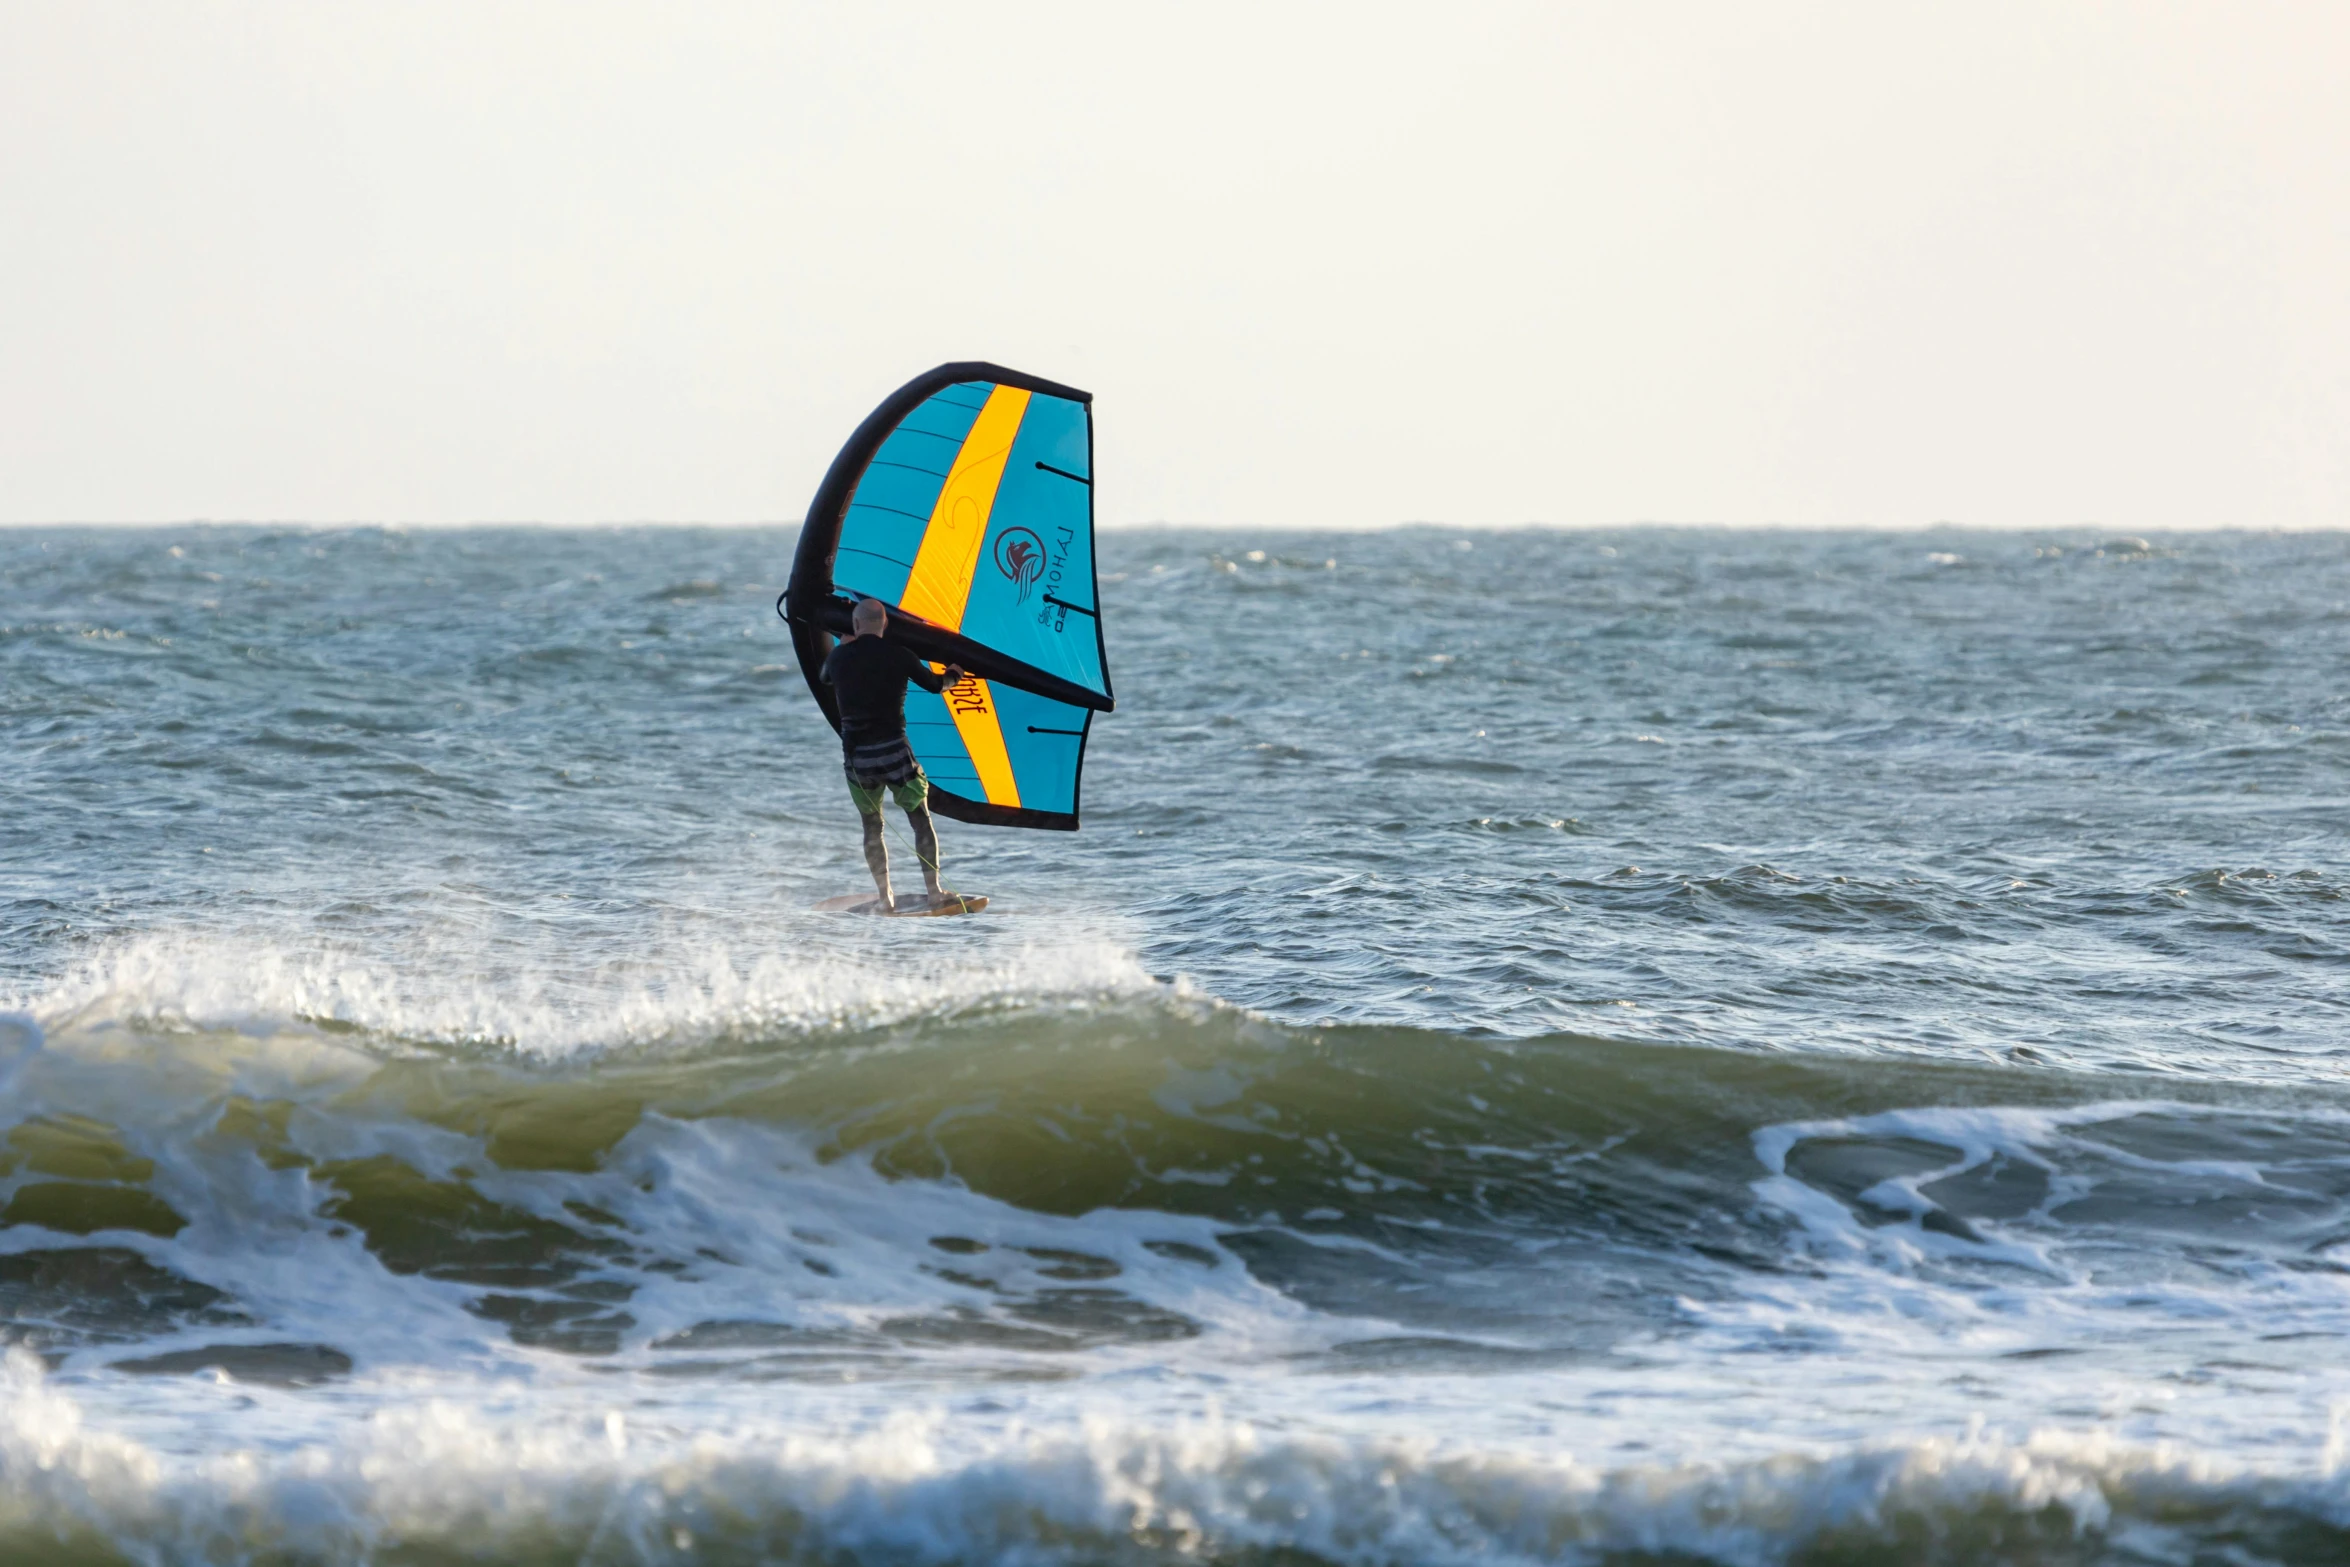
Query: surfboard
[[909, 905]]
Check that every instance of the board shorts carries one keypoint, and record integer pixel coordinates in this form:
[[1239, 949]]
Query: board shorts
[[887, 767]]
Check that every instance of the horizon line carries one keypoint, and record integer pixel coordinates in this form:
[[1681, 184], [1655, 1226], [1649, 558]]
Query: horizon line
[[1534, 526]]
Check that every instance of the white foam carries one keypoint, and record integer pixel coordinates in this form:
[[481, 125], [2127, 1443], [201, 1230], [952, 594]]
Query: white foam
[[1893, 1295], [1054, 1474], [695, 982]]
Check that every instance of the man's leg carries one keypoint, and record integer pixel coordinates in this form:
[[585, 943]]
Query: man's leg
[[868, 803], [914, 799], [926, 847], [877, 854]]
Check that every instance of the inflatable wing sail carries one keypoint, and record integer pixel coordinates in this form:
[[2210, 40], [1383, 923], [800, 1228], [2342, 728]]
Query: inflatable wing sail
[[965, 503]]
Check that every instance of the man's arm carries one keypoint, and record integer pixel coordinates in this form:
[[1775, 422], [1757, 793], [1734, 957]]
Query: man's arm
[[922, 675]]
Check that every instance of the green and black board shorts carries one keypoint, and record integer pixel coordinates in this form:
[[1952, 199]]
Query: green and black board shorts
[[889, 766]]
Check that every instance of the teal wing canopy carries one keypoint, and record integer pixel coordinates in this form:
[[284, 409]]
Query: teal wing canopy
[[965, 504]]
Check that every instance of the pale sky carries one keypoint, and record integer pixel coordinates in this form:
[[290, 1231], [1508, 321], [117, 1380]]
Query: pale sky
[[1882, 263]]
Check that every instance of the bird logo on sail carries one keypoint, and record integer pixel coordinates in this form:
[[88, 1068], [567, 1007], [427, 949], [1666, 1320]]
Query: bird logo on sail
[[1019, 555]]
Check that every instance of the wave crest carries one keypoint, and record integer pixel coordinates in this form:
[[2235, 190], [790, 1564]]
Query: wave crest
[[454, 990]]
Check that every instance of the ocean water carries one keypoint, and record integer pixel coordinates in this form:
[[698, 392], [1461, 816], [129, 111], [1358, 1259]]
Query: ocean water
[[1635, 1047]]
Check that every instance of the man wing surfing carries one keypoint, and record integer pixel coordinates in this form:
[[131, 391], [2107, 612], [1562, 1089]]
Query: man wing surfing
[[868, 675]]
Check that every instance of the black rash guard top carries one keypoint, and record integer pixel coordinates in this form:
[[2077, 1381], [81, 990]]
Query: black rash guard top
[[868, 676]]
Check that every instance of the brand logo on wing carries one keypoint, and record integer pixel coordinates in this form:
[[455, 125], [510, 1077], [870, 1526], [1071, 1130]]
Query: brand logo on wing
[[1019, 555]]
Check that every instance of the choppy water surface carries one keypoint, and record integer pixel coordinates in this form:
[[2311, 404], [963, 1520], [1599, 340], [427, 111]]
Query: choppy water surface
[[1617, 1047]]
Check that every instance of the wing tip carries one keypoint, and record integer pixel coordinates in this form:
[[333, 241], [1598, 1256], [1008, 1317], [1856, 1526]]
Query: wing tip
[[956, 371]]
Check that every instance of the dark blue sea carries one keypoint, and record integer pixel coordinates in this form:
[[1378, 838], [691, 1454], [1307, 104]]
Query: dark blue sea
[[1636, 1047]]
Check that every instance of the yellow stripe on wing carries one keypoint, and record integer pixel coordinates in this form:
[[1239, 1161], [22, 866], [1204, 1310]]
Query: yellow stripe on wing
[[973, 707], [940, 584]]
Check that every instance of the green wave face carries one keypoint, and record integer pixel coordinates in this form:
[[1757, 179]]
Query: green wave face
[[1479, 1197]]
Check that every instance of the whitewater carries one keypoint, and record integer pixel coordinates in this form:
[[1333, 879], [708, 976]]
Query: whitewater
[[1636, 1046]]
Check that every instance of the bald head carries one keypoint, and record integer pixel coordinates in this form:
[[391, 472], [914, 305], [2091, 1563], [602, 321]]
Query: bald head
[[869, 618]]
